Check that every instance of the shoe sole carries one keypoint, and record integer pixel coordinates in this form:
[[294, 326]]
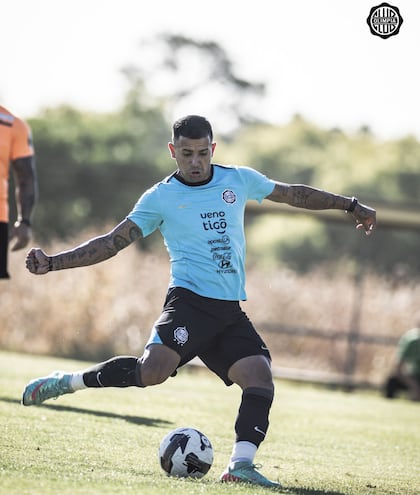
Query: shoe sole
[[228, 478]]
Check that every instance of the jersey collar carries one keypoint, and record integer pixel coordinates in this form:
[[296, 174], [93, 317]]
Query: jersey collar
[[179, 178]]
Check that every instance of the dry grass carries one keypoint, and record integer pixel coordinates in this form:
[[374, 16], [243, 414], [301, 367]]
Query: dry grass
[[93, 313]]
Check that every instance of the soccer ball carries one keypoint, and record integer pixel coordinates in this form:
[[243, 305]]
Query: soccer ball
[[186, 453]]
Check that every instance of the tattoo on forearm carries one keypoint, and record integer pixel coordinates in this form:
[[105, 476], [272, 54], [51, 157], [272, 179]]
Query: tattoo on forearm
[[134, 233], [98, 249], [120, 242], [93, 252], [315, 199]]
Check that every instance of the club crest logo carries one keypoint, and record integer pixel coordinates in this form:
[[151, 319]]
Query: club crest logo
[[181, 335], [229, 196], [384, 20]]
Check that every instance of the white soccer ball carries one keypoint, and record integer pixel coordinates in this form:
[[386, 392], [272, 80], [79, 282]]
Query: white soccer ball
[[186, 453]]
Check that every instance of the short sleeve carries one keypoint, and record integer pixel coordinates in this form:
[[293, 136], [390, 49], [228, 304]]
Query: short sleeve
[[259, 186], [21, 140], [146, 213]]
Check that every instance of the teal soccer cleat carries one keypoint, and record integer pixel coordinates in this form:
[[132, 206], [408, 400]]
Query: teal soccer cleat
[[246, 472], [47, 387]]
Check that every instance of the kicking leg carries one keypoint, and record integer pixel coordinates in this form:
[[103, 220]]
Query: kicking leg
[[155, 366], [119, 371]]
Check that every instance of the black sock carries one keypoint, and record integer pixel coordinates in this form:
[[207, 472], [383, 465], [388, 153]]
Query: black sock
[[252, 420], [120, 371]]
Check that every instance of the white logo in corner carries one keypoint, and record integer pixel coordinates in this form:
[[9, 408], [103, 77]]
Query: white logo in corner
[[181, 335]]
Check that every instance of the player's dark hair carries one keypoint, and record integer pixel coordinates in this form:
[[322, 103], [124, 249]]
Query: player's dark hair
[[192, 127]]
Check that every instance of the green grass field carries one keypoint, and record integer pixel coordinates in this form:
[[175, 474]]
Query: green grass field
[[321, 442]]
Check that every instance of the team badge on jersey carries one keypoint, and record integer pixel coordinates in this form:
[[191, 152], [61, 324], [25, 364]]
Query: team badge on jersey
[[229, 196], [181, 335]]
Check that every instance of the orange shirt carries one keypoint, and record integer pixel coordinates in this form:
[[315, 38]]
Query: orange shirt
[[15, 142]]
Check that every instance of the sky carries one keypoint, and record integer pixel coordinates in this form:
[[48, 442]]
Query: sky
[[318, 58]]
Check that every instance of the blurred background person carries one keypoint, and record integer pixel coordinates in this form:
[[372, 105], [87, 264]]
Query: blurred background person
[[16, 154], [405, 376]]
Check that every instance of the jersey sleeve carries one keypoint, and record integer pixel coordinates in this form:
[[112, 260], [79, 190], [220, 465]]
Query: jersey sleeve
[[21, 140], [259, 186], [146, 213]]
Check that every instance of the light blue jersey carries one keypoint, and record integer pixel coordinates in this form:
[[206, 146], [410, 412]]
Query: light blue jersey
[[203, 228]]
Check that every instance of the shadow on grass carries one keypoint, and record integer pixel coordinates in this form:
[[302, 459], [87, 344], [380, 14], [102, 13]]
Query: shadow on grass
[[137, 420], [309, 491], [245, 488]]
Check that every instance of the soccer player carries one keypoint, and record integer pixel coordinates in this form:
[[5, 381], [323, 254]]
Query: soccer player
[[17, 153], [406, 373], [199, 210]]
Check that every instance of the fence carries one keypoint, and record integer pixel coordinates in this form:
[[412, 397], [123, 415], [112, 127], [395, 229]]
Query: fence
[[389, 218]]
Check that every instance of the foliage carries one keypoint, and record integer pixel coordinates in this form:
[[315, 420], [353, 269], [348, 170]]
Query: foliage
[[379, 173], [213, 84], [93, 167], [105, 441], [352, 164]]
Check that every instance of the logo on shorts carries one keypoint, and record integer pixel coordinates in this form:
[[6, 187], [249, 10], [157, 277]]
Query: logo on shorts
[[181, 335], [259, 430], [229, 196], [384, 20]]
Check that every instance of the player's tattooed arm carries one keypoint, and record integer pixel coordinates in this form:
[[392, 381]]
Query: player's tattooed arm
[[91, 252], [99, 248], [308, 197], [311, 198]]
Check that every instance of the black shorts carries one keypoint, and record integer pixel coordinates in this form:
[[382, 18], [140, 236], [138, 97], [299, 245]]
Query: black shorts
[[4, 244], [216, 331]]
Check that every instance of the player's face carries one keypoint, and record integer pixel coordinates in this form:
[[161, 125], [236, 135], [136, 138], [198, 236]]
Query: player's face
[[193, 157]]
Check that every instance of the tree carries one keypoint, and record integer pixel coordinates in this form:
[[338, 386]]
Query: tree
[[192, 74], [92, 168]]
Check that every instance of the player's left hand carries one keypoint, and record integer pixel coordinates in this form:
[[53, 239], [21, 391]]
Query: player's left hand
[[22, 233], [365, 218]]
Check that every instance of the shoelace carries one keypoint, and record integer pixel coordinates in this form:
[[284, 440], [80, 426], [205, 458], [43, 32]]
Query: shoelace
[[253, 468], [50, 388]]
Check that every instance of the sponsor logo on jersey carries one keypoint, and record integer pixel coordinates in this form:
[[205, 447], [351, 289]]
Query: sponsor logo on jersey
[[214, 220]]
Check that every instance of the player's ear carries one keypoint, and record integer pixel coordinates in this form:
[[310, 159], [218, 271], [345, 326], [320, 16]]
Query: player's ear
[[213, 147], [171, 149]]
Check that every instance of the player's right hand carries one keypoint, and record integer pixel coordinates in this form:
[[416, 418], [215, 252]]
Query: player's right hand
[[37, 261]]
